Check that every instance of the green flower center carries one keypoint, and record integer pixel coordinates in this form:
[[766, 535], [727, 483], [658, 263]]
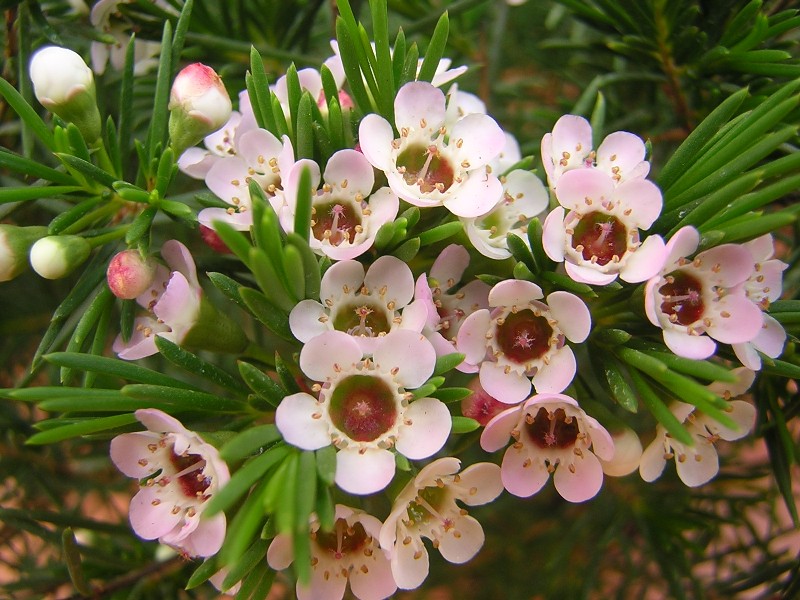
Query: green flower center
[[426, 506], [336, 222], [362, 319], [600, 237], [363, 407], [424, 166], [683, 298]]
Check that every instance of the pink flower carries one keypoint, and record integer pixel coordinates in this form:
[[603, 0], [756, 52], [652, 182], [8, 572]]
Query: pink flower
[[173, 298], [182, 473], [429, 165], [364, 306], [522, 338], [311, 82], [196, 162], [692, 298], [348, 553], [446, 311], [346, 214], [552, 434], [598, 238], [363, 408], [259, 156], [699, 463], [427, 507], [569, 146], [764, 285]]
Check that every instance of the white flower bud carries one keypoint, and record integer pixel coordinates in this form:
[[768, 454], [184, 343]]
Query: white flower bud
[[57, 256], [627, 454], [15, 242], [64, 85], [199, 104], [129, 275]]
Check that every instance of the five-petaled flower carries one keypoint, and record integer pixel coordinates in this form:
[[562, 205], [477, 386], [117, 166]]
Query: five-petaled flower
[[179, 472], [551, 434], [363, 407]]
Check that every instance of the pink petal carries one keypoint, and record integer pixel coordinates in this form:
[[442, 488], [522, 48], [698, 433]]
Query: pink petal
[[207, 539], [450, 265], [743, 414], [366, 473], [295, 420], [280, 553], [159, 421], [415, 316], [408, 352], [771, 339], [416, 103], [695, 472], [196, 162], [556, 376], [471, 339], [321, 356], [375, 137], [140, 344], [529, 194], [602, 443], [498, 430], [683, 243], [571, 134], [345, 274], [463, 548], [221, 175], [291, 181], [476, 195], [509, 388], [652, 303], [257, 147], [481, 140], [743, 324], [689, 346], [377, 583], [643, 198], [180, 259], [572, 315], [646, 261], [484, 478], [409, 568], [584, 483], [747, 355], [728, 264], [349, 166], [322, 587], [514, 292], [554, 236], [240, 221], [394, 274], [430, 426], [179, 305], [583, 190], [586, 273], [150, 517], [623, 150], [128, 449], [653, 462], [304, 320], [522, 477]]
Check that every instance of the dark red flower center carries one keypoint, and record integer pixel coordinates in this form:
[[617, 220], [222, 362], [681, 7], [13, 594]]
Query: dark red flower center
[[363, 407], [362, 319], [344, 539], [552, 430], [335, 222], [424, 166], [524, 337], [191, 479], [683, 298], [600, 237]]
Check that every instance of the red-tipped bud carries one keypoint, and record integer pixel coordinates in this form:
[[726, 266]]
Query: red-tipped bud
[[129, 275]]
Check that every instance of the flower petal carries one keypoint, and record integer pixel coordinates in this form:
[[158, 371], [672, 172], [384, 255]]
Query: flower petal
[[410, 564], [702, 466], [207, 539], [394, 275], [509, 388], [587, 273], [377, 583], [653, 462], [308, 319], [498, 430], [640, 200], [554, 236], [346, 273], [471, 338], [572, 315], [478, 139], [280, 553], [583, 483], [419, 106], [352, 167], [646, 261], [683, 243], [484, 479], [583, 190], [558, 374], [375, 137], [295, 420], [363, 473], [428, 431], [623, 150], [150, 517], [128, 449], [410, 353], [521, 476], [689, 346], [450, 265], [514, 292], [476, 195], [461, 543]]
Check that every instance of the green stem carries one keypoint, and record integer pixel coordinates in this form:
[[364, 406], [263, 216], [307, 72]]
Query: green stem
[[100, 240], [96, 215], [102, 156]]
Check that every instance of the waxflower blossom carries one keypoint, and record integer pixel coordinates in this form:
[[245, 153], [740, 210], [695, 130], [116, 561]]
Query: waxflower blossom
[[56, 256], [129, 274], [446, 311], [178, 311], [693, 301], [198, 105], [311, 82], [430, 165], [196, 161], [15, 245], [345, 214], [552, 435], [480, 405], [364, 306], [569, 146], [363, 407], [598, 237], [64, 85], [182, 473], [763, 286], [427, 507], [348, 553], [259, 156], [105, 15], [699, 463], [522, 340]]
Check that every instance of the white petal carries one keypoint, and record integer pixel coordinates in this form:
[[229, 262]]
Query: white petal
[[695, 472], [689, 346], [509, 388], [475, 196], [321, 356], [588, 273], [554, 236], [409, 568], [419, 103], [653, 462], [556, 376], [346, 273], [646, 261], [430, 426], [393, 274], [295, 420], [305, 320], [514, 292], [375, 137], [583, 483], [481, 140], [572, 315], [366, 473], [471, 340], [583, 190], [410, 353], [459, 550], [484, 478], [350, 166]]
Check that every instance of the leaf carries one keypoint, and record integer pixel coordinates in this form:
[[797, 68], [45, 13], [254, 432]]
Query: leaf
[[30, 168], [26, 113], [196, 365], [453, 394], [659, 410], [115, 368], [65, 432], [439, 233], [447, 363], [407, 250], [157, 133], [326, 464], [23, 194], [311, 272], [266, 312], [302, 214], [246, 563], [72, 556], [261, 383], [187, 399], [619, 387], [86, 168], [203, 573], [435, 49], [464, 425], [248, 442]]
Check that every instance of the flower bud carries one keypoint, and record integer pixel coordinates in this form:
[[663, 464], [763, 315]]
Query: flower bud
[[627, 453], [64, 85], [198, 104], [129, 275], [213, 241], [15, 243], [57, 256]]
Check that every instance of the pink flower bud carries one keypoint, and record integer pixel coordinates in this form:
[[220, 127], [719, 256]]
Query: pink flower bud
[[129, 275], [198, 104], [213, 241], [480, 405]]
